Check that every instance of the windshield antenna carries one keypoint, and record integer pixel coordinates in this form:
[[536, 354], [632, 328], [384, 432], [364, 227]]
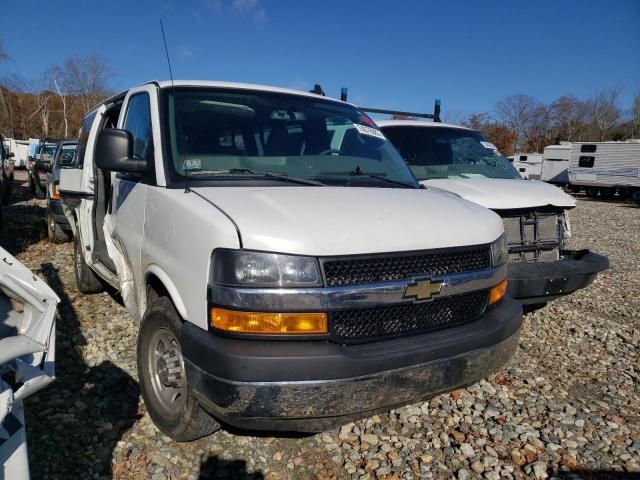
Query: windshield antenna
[[166, 51]]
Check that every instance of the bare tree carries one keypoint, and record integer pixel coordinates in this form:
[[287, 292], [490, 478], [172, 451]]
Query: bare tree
[[635, 116], [455, 117], [605, 111], [55, 75], [88, 78], [568, 113], [517, 112]]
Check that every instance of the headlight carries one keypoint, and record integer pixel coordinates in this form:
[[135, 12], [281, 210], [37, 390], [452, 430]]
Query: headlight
[[499, 253], [260, 269]]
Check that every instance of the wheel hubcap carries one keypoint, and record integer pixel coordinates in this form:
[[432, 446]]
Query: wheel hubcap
[[166, 366]]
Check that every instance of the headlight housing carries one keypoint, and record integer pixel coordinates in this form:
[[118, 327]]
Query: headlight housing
[[499, 252], [262, 269]]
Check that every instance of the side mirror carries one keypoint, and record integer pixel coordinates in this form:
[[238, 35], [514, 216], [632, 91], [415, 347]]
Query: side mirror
[[114, 152]]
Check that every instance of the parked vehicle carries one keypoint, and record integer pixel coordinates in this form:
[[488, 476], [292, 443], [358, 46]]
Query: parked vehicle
[[555, 164], [58, 227], [606, 168], [27, 356], [528, 165], [20, 149], [287, 270], [6, 171], [461, 161], [39, 166]]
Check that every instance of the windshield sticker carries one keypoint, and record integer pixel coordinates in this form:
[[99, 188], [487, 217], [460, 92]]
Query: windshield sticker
[[372, 132], [490, 146], [192, 164]]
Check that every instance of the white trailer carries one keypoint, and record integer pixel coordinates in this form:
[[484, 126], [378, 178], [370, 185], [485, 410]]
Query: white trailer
[[528, 165], [606, 167], [555, 163]]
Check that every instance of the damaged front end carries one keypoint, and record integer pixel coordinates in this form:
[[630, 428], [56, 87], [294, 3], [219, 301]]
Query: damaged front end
[[540, 268], [27, 355]]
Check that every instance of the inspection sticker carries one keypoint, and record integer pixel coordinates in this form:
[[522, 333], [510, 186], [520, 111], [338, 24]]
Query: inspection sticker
[[364, 130], [489, 146], [192, 164]]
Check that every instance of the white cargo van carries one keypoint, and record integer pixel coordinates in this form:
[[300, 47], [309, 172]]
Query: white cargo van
[[286, 268], [461, 161]]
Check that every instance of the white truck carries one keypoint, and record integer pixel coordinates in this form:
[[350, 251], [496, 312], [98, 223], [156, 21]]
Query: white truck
[[461, 161], [555, 164], [606, 168], [286, 268]]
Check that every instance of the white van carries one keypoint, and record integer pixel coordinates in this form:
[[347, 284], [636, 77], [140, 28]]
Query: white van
[[287, 269], [461, 161]]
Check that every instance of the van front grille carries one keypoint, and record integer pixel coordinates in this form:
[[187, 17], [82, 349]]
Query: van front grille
[[412, 318]]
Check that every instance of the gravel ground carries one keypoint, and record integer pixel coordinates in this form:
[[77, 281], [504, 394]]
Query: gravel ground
[[567, 405]]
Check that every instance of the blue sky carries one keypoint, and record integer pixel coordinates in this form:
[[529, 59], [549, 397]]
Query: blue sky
[[390, 54]]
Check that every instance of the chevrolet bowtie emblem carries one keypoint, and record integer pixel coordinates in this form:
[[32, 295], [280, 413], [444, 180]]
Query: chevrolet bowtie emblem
[[422, 289]]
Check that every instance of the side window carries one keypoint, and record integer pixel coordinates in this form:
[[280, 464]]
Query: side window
[[586, 162], [523, 158], [588, 148], [83, 139], [138, 122]]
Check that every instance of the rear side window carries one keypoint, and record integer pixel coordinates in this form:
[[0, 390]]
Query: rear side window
[[138, 122], [523, 158], [588, 148], [83, 138], [586, 162]]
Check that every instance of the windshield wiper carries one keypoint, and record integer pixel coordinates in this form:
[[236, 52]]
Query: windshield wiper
[[377, 175], [265, 173]]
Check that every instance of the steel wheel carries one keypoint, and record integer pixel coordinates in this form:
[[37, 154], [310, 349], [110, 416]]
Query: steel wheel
[[166, 367]]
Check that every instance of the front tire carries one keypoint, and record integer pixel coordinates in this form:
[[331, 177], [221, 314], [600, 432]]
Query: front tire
[[163, 381], [86, 279], [55, 233]]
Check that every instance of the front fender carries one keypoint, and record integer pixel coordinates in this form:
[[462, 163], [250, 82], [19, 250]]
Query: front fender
[[165, 279]]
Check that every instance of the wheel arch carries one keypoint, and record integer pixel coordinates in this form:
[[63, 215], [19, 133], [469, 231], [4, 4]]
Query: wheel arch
[[158, 281]]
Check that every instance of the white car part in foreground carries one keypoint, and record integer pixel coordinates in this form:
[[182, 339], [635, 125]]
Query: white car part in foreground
[[27, 355]]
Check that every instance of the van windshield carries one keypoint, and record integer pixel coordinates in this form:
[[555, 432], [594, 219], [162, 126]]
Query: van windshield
[[247, 135], [442, 152]]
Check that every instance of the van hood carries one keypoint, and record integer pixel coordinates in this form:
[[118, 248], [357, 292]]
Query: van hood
[[325, 221], [504, 194]]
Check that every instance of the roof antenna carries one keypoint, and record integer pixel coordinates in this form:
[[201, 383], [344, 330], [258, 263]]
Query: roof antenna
[[166, 51]]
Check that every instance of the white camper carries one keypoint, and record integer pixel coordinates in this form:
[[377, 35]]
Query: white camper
[[555, 163], [606, 167], [528, 165]]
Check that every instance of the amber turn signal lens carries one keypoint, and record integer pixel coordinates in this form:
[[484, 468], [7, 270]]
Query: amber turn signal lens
[[498, 292], [269, 323], [55, 194]]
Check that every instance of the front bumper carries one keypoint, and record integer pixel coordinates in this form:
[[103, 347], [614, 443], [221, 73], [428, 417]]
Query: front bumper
[[317, 385], [539, 282]]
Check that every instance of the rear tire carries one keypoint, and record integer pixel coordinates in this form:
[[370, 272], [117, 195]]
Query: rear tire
[[86, 279], [163, 381]]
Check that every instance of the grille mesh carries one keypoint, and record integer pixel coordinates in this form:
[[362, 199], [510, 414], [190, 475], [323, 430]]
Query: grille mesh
[[390, 268], [352, 325]]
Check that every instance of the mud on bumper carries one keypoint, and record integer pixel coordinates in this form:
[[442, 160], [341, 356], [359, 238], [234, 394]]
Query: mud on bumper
[[315, 386], [544, 281]]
